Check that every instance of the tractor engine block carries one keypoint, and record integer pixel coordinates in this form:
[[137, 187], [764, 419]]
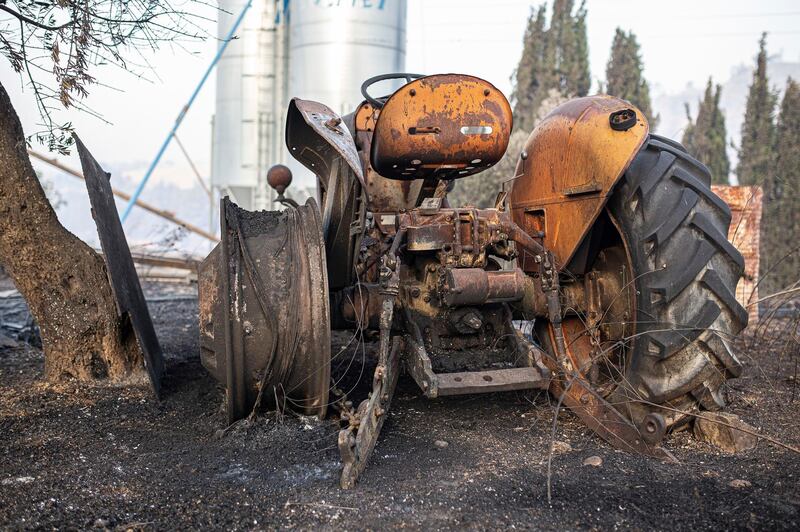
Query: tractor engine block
[[452, 283]]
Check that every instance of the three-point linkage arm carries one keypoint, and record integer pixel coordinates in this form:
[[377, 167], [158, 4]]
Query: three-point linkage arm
[[357, 440]]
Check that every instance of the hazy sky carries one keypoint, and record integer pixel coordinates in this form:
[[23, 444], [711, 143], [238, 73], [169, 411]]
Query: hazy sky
[[683, 41]]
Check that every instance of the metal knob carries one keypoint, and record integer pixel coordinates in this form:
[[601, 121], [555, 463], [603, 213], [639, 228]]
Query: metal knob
[[279, 177]]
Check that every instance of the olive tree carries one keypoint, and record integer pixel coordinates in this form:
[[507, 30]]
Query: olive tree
[[55, 47]]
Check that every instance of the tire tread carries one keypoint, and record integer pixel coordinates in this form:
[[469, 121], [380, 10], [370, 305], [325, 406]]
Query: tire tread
[[676, 232]]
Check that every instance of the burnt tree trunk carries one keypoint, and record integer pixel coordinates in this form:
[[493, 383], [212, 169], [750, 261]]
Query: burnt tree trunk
[[63, 280]]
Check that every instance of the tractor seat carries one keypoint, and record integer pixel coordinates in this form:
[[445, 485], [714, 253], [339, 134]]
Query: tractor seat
[[444, 126]]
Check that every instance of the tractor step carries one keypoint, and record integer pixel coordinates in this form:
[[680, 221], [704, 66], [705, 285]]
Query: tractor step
[[469, 382], [497, 380]]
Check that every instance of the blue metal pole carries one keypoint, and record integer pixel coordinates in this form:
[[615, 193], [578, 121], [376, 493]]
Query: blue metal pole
[[182, 114]]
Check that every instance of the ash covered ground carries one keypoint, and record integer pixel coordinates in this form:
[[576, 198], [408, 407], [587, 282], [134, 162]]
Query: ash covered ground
[[110, 457]]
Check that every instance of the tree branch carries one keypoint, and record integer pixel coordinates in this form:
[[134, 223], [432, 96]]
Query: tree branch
[[33, 22]]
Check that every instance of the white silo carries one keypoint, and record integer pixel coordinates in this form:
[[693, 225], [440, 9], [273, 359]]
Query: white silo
[[334, 46], [251, 100], [318, 50]]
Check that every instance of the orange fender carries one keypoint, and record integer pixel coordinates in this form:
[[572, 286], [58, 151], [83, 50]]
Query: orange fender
[[569, 167]]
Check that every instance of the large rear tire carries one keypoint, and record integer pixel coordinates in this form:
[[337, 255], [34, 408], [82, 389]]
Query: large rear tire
[[685, 272]]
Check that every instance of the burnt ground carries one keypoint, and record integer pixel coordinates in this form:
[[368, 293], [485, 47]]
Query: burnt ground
[[78, 457]]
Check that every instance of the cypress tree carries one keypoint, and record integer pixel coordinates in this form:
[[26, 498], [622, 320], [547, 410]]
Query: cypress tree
[[579, 72], [570, 49], [529, 73], [625, 76], [554, 57], [781, 221], [758, 128], [706, 137]]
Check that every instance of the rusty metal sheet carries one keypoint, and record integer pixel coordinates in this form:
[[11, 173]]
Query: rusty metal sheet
[[445, 126], [119, 264], [316, 136], [573, 159]]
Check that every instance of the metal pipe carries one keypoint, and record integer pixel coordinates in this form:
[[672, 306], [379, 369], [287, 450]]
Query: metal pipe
[[146, 206], [183, 112], [194, 168], [475, 286]]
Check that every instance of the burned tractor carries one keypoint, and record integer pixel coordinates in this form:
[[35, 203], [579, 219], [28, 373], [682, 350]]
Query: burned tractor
[[607, 241]]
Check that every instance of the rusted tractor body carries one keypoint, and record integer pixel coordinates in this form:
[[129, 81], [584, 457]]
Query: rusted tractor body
[[577, 245]]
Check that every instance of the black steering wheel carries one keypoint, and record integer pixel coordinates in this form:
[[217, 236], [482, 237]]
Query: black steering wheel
[[378, 103]]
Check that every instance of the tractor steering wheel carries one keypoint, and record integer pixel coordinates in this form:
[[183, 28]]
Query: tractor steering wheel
[[377, 103]]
